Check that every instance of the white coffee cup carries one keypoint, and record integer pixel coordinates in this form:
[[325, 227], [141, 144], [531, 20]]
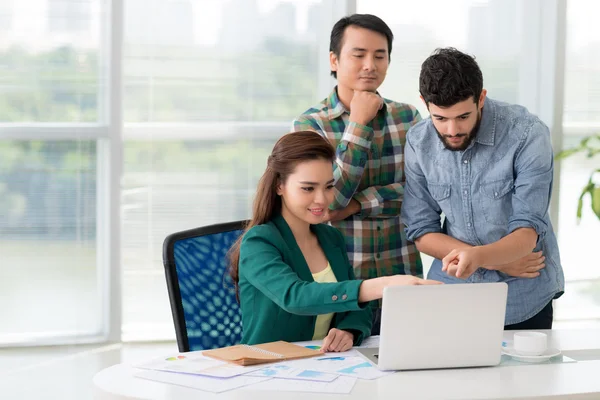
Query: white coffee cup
[[530, 343]]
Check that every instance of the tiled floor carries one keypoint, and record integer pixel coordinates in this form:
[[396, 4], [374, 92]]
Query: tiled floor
[[65, 372]]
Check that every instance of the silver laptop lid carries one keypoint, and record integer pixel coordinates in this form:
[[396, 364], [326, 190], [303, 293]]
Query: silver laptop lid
[[442, 326]]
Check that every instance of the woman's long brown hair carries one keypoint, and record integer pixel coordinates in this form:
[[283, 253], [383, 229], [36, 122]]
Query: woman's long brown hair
[[289, 151]]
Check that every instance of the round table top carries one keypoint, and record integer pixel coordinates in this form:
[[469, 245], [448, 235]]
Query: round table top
[[567, 380]]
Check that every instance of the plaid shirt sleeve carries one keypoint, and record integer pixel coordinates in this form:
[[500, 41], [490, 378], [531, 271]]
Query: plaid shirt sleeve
[[351, 158], [369, 167], [384, 201]]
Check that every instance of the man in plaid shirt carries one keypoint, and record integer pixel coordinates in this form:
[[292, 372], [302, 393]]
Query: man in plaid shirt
[[369, 133]]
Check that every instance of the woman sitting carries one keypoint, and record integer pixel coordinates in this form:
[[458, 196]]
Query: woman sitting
[[291, 270]]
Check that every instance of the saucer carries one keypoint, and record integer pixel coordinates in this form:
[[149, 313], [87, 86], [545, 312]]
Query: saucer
[[545, 356]]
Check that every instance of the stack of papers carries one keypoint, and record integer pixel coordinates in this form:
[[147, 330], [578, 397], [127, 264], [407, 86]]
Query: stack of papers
[[346, 364], [329, 373], [206, 383]]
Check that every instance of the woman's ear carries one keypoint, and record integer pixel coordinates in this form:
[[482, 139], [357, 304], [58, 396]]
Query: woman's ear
[[278, 188]]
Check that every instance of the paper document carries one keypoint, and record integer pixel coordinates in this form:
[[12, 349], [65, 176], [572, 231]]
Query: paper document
[[355, 366], [287, 372], [342, 385], [206, 383], [197, 364], [370, 342]]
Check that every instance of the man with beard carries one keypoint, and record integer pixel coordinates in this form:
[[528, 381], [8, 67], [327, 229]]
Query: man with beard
[[487, 166]]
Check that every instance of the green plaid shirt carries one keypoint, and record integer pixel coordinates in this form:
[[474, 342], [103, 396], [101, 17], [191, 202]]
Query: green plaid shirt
[[369, 168]]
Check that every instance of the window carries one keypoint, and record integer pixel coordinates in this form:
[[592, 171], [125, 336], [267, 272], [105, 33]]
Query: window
[[580, 305], [209, 88], [582, 72], [487, 29], [49, 125]]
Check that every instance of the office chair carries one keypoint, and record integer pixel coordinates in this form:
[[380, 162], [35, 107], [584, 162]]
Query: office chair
[[202, 297]]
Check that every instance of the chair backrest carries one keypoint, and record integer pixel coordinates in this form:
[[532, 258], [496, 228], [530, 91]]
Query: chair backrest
[[203, 303]]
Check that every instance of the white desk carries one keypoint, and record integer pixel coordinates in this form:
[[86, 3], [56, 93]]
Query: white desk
[[580, 380]]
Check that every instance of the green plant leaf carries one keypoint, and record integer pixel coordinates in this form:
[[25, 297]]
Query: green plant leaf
[[594, 190], [584, 142], [587, 189], [590, 145], [591, 149], [595, 193], [592, 152], [567, 153]]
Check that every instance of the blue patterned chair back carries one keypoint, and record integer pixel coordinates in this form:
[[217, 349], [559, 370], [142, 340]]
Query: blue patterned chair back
[[203, 303]]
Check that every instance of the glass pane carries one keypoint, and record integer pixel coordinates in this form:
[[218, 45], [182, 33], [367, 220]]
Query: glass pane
[[582, 65], [171, 186], [576, 239], [581, 299], [48, 274], [49, 60], [236, 60], [580, 304], [209, 87], [487, 29]]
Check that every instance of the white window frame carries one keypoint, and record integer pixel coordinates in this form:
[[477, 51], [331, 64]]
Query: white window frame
[[107, 133], [111, 150], [543, 59]]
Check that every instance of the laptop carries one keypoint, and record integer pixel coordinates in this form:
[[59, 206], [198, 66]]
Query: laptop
[[441, 326]]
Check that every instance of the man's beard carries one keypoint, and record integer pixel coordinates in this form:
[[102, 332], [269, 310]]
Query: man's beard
[[469, 137]]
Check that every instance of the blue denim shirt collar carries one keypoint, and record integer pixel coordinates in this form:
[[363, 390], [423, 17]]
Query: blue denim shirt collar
[[487, 129]]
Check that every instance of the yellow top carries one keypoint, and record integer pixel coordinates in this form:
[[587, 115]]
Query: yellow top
[[323, 320]]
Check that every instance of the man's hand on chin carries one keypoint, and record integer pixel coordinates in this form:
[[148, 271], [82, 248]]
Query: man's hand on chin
[[337, 215]]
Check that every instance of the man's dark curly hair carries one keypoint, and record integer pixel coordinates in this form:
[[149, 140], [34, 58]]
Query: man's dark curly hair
[[448, 77]]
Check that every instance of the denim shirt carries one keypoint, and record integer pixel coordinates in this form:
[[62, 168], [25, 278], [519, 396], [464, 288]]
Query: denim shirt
[[500, 183]]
